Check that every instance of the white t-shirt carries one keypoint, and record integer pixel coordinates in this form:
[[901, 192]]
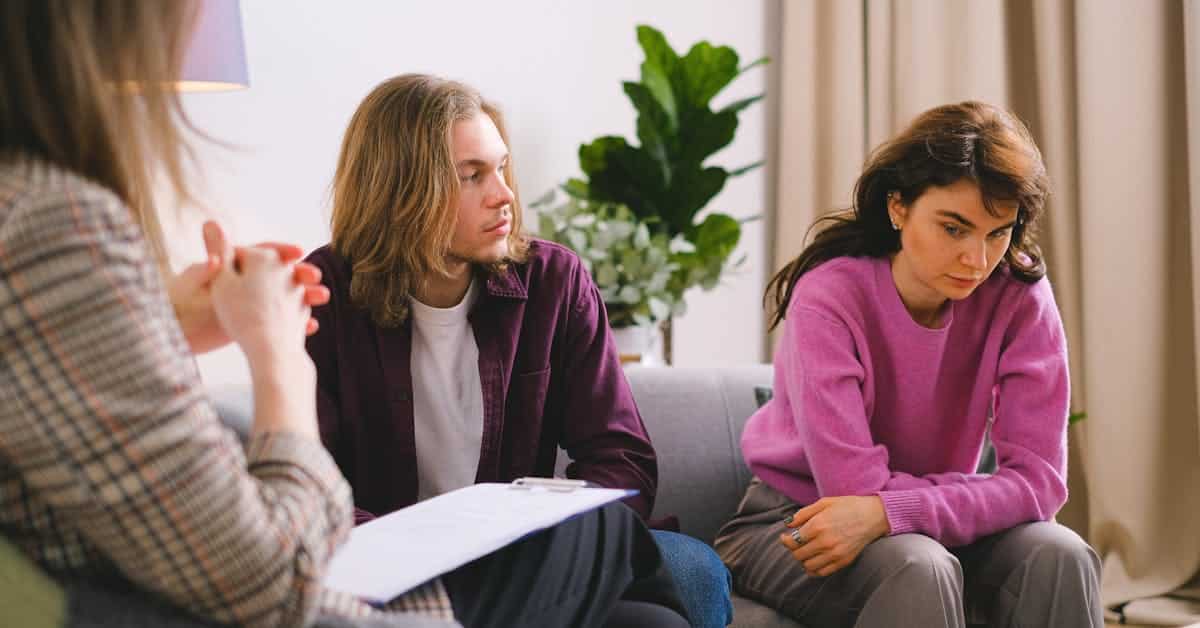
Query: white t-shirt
[[447, 396]]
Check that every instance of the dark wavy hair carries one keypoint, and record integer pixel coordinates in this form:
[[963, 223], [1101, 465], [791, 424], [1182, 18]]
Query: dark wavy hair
[[981, 143]]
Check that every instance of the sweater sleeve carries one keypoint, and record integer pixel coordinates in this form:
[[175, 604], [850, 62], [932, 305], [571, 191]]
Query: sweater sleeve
[[1029, 435], [823, 379]]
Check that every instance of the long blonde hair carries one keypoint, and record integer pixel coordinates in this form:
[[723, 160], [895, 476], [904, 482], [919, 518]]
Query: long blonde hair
[[395, 192], [86, 85]]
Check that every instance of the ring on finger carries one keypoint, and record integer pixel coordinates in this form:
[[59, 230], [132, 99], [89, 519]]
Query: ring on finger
[[798, 538]]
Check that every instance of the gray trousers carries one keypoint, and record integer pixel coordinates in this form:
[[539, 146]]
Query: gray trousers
[[1034, 574]]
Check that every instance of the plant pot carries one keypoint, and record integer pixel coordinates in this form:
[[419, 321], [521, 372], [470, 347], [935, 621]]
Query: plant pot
[[639, 344]]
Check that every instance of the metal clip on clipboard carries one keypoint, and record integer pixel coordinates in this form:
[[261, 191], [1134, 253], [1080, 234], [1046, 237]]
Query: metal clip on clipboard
[[557, 485]]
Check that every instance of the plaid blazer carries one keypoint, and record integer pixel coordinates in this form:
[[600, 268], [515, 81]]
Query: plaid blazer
[[113, 463]]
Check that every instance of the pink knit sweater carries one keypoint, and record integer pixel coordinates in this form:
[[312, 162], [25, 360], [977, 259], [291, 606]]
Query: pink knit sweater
[[868, 402]]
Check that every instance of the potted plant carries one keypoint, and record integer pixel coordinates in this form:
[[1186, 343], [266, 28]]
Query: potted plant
[[664, 180], [632, 266]]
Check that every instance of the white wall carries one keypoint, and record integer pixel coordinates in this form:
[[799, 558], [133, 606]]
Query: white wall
[[554, 67]]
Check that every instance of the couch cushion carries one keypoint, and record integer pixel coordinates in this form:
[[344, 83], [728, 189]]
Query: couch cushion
[[695, 418]]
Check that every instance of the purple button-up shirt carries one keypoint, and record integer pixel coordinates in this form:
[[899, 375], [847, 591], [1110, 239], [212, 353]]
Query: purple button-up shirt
[[549, 371]]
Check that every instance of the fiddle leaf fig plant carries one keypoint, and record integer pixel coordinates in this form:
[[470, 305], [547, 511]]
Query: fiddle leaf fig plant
[[666, 176], [664, 180]]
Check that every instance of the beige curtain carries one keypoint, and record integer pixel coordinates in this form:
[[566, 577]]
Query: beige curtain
[[1111, 91]]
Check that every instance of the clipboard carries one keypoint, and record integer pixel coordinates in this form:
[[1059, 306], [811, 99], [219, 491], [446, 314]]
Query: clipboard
[[388, 556]]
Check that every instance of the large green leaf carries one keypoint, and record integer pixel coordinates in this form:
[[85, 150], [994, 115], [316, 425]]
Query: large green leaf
[[706, 70], [612, 164], [659, 53], [717, 236], [704, 133], [755, 63], [738, 105], [654, 129], [577, 188], [658, 83], [660, 66], [691, 190], [619, 173], [737, 172], [594, 157]]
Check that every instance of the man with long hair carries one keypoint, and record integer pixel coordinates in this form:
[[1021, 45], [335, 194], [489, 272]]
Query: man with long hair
[[457, 350]]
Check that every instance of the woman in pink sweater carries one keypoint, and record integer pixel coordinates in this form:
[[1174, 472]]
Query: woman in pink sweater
[[915, 324]]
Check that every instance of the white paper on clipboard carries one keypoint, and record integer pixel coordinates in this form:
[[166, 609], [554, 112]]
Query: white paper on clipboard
[[394, 553]]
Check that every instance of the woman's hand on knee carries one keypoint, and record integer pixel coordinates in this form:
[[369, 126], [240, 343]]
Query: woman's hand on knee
[[829, 534]]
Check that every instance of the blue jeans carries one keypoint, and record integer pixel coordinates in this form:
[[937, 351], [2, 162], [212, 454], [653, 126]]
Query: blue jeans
[[701, 577]]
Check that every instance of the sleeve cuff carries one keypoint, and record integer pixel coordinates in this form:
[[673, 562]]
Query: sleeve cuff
[[903, 509]]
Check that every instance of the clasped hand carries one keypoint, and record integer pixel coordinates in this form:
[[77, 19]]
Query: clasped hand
[[191, 291], [829, 534]]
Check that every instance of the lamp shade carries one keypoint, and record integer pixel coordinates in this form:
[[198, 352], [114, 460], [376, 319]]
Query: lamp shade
[[215, 59]]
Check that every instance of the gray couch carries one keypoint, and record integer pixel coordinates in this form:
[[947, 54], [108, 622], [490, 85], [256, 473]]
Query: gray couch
[[695, 418]]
